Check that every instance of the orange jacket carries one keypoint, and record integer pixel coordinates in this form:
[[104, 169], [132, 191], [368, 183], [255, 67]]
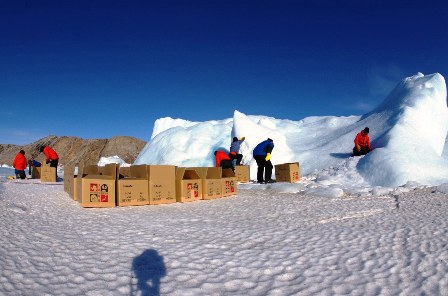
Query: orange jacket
[[50, 154], [20, 162], [362, 139], [220, 155]]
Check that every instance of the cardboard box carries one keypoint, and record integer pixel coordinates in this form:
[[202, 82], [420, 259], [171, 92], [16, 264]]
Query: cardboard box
[[287, 172], [83, 170], [95, 190], [242, 173], [228, 182], [69, 178], [188, 185], [35, 172], [211, 181], [47, 173], [162, 184], [133, 190], [75, 188]]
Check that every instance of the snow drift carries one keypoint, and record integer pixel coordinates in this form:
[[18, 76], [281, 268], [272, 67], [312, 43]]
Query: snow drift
[[408, 130]]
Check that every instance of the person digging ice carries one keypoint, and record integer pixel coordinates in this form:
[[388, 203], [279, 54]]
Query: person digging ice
[[362, 143]]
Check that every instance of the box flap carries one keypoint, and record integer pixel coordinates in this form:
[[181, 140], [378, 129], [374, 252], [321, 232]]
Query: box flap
[[227, 173], [111, 170], [98, 177], [201, 171], [139, 171], [191, 175], [124, 172], [161, 172], [214, 173], [85, 169], [186, 174]]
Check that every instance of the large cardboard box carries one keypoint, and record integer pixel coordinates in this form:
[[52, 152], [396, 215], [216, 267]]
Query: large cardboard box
[[83, 170], [287, 172], [35, 172], [47, 173], [188, 185], [228, 182], [75, 188], [242, 173], [69, 179], [211, 181], [162, 184], [95, 190], [133, 190]]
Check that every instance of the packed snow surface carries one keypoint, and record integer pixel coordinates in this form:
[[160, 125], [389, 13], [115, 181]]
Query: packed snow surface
[[267, 240]]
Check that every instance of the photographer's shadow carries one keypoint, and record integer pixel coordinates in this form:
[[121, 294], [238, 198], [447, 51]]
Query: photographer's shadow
[[148, 268]]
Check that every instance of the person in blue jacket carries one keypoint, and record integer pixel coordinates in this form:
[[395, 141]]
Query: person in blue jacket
[[262, 155], [33, 163]]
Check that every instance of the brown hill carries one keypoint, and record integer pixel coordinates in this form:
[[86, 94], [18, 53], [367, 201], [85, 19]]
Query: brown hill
[[73, 149]]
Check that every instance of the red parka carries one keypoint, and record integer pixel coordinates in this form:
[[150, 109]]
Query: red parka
[[362, 139], [220, 155], [50, 154], [20, 162]]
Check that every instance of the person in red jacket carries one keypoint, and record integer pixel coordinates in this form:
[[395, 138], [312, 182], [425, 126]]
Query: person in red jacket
[[20, 164], [362, 143], [51, 156], [223, 160]]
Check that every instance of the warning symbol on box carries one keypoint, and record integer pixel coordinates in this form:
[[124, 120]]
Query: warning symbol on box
[[104, 197], [94, 187]]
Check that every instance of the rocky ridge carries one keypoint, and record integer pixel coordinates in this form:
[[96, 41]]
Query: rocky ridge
[[74, 150]]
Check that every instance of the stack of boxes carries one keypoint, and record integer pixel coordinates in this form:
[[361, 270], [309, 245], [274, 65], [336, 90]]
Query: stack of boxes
[[110, 186]]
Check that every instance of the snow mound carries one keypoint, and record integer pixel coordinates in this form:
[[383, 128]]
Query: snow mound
[[112, 159], [408, 130], [415, 124]]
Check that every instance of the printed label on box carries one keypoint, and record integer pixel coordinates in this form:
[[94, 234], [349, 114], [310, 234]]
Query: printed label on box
[[97, 195]]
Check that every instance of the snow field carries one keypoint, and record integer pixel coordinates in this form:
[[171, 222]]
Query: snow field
[[261, 242]]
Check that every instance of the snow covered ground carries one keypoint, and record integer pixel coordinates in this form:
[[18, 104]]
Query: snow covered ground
[[373, 225], [261, 242]]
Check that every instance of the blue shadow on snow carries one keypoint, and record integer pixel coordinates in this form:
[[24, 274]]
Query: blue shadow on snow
[[148, 268]]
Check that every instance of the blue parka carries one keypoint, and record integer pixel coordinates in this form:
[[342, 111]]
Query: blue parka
[[263, 148]]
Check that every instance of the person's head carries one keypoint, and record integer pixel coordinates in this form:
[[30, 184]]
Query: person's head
[[42, 148], [270, 140], [235, 139], [366, 130], [21, 151]]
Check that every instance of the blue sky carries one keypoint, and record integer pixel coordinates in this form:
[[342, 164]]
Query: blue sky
[[98, 69]]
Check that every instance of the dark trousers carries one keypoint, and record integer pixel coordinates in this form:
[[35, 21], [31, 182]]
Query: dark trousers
[[54, 164], [237, 156], [364, 151], [264, 167], [226, 164], [20, 174]]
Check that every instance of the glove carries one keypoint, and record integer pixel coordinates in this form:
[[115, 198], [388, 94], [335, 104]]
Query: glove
[[358, 147], [48, 161], [268, 156]]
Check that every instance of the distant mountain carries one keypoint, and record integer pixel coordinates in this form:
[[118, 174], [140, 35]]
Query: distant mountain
[[74, 149]]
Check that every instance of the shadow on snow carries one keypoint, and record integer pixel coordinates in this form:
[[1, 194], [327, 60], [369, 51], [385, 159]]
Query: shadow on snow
[[148, 268]]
